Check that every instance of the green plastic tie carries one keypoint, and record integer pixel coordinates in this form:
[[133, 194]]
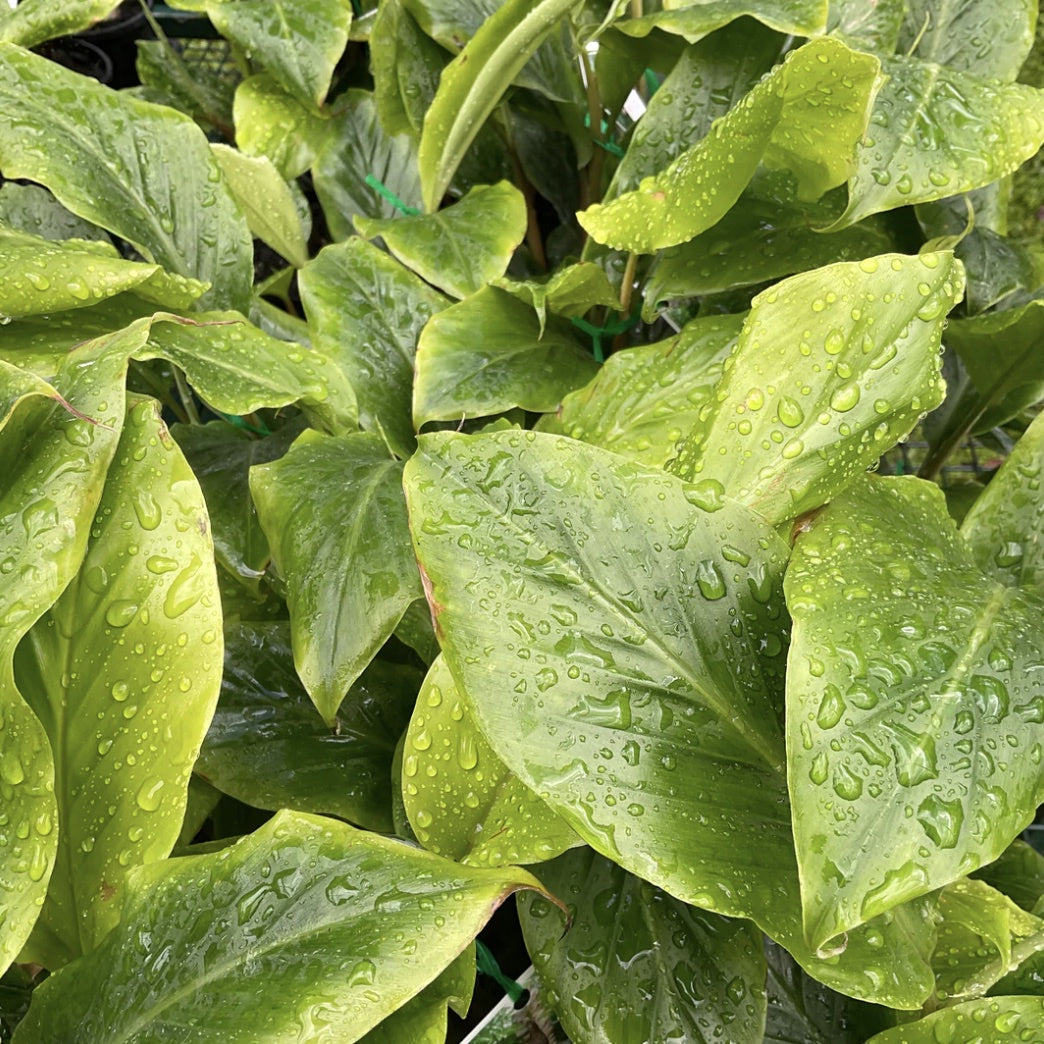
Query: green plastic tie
[[652, 82], [606, 141], [596, 333], [487, 965], [383, 190], [240, 422]]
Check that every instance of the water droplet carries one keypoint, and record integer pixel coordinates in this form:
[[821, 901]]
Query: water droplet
[[121, 612], [148, 796], [845, 398], [941, 820], [790, 412], [831, 707], [710, 581]]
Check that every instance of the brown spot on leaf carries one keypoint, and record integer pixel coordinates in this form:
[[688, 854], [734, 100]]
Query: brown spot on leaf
[[433, 605]]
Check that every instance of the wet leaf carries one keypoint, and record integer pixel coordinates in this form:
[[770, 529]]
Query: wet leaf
[[833, 367], [32, 209], [463, 802], [868, 27], [486, 354], [269, 748], [1003, 1018], [334, 515], [157, 167], [336, 927], [366, 311], [696, 20], [571, 291], [298, 42], [31, 22], [124, 672], [461, 248], [805, 117], [1018, 873], [644, 399], [922, 743]]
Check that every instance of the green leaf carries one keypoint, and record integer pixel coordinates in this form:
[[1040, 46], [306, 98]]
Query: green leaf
[[153, 180], [461, 248], [32, 209], [298, 42], [833, 367], [333, 512], [805, 117], [1018, 873], [366, 311], [644, 399], [268, 747], [1004, 526], [920, 743], [935, 132], [356, 147], [132, 647], [1002, 1018], [570, 291], [335, 927], [868, 27], [462, 801], [694, 19], [267, 202], [988, 38], [474, 82], [634, 963], [40, 276], [269, 122], [487, 354], [66, 436], [32, 22]]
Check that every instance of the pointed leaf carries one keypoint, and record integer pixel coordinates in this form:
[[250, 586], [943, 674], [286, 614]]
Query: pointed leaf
[[1003, 1018], [461, 248], [694, 20], [634, 963], [805, 117], [463, 802], [336, 928], [153, 179], [366, 311], [140, 628], [31, 22], [570, 291], [1018, 873], [268, 747], [833, 368], [929, 751], [935, 132], [298, 42], [333, 512], [32, 209], [486, 354]]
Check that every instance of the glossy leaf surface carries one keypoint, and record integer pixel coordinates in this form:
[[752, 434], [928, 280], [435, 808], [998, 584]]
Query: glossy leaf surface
[[696, 20], [832, 368], [333, 512], [1003, 1018], [931, 751], [124, 672], [350, 925], [571, 291], [462, 247], [366, 311], [463, 802], [298, 42], [1018, 873], [34, 210], [486, 354], [634, 963], [268, 746], [868, 27], [158, 185], [30, 22]]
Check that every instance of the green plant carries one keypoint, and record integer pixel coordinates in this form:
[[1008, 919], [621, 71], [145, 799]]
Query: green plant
[[645, 627]]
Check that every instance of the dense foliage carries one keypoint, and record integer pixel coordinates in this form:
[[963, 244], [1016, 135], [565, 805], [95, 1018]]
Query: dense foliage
[[452, 424]]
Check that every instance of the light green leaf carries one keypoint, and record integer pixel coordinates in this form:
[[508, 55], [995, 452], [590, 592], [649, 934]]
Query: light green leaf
[[366, 311], [461, 248], [298, 42], [64, 436], [1003, 1018], [805, 117], [474, 82], [271, 123], [833, 367], [919, 744], [1004, 526], [570, 291], [354, 148], [868, 27], [123, 672], [935, 132], [694, 19], [40, 276], [644, 399], [633, 963], [463, 802], [333, 512], [268, 747], [988, 38], [486, 354], [335, 927], [1018, 873], [267, 202], [153, 180], [32, 209], [32, 22]]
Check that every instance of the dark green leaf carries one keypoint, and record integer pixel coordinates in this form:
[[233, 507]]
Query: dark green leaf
[[32, 209], [1018, 873], [571, 291]]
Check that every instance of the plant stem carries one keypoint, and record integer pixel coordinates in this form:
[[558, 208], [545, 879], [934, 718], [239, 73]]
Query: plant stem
[[627, 285], [185, 394], [534, 240]]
